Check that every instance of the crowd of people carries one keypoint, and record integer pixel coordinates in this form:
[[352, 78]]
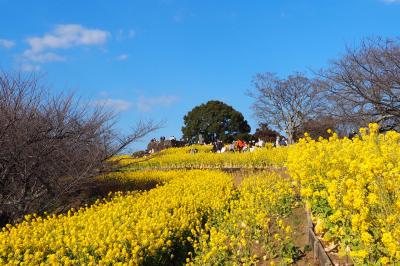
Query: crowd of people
[[218, 146], [243, 146], [162, 139], [280, 141], [237, 146], [163, 143]]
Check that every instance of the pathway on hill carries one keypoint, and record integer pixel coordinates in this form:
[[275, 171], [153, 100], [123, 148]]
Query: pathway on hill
[[297, 219]]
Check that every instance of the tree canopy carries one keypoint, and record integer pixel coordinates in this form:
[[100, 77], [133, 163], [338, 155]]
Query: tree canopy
[[214, 120]]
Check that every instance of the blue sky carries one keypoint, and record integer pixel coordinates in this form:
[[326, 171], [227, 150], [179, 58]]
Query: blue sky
[[159, 59]]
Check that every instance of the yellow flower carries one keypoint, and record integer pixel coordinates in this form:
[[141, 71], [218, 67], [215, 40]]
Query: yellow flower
[[384, 260]]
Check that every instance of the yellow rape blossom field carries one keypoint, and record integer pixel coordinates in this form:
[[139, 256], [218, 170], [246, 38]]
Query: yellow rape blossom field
[[148, 227], [166, 225], [151, 178], [254, 219], [351, 187], [177, 158]]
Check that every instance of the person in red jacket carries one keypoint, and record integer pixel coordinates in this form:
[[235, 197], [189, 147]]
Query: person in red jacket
[[239, 145]]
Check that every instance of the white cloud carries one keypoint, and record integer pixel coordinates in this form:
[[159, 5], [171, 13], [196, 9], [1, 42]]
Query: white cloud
[[122, 57], [62, 37], [116, 104], [68, 35], [146, 104], [6, 43], [30, 68]]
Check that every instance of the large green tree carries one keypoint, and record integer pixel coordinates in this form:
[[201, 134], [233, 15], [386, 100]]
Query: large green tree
[[214, 120]]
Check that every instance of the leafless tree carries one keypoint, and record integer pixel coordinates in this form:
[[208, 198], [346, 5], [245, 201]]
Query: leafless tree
[[365, 83], [49, 145], [285, 103]]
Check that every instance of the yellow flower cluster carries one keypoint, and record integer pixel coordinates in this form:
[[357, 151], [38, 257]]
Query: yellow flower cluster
[[143, 178], [180, 158], [155, 227], [127, 160], [252, 228], [352, 187]]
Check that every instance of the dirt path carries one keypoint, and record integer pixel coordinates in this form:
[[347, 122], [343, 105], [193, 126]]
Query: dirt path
[[297, 220]]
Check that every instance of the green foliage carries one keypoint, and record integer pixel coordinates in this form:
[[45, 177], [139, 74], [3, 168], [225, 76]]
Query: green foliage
[[214, 120]]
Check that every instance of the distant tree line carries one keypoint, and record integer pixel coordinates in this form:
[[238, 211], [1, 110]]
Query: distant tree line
[[362, 86]]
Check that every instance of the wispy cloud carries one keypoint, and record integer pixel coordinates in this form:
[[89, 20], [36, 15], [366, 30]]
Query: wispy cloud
[[118, 105], [147, 104], [30, 68], [182, 15], [178, 18], [391, 1], [42, 57], [122, 57], [131, 33], [125, 34], [6, 43], [68, 35], [62, 37]]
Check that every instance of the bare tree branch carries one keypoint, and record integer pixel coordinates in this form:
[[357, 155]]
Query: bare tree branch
[[365, 83], [285, 103], [51, 144]]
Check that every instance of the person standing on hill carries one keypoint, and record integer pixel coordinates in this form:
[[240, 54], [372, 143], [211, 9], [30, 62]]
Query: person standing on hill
[[232, 147], [277, 141], [239, 145]]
